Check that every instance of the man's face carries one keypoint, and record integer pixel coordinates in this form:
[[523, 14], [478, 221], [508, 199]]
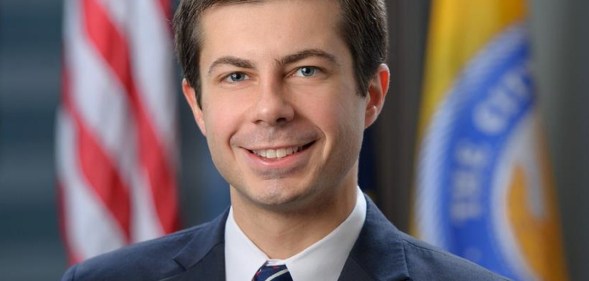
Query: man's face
[[280, 109]]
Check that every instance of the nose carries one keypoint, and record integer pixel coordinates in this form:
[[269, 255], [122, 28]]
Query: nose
[[273, 106]]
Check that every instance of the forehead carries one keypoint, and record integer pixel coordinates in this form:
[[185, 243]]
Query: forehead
[[225, 3], [271, 26]]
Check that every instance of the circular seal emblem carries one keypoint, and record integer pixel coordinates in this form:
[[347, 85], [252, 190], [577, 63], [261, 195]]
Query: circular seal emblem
[[480, 176]]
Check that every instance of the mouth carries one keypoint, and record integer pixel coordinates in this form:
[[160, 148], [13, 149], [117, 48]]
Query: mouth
[[279, 153]]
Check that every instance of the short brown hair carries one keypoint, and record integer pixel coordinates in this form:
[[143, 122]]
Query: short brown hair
[[363, 28]]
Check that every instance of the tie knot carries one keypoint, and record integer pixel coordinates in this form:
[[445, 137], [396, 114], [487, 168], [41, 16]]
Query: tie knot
[[273, 273]]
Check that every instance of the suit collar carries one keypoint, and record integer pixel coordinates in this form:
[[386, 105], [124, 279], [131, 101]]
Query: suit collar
[[203, 257], [379, 241]]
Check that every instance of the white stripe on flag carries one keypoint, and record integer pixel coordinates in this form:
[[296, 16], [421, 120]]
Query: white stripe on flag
[[89, 227], [103, 108]]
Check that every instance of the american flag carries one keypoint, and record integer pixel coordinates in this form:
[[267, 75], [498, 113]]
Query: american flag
[[116, 127]]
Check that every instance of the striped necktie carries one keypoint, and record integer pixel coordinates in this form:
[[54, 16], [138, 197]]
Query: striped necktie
[[273, 273]]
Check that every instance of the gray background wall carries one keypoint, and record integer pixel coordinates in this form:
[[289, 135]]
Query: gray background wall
[[561, 36], [30, 50], [30, 33]]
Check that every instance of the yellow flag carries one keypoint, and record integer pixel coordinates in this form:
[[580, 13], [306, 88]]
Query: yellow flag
[[483, 181]]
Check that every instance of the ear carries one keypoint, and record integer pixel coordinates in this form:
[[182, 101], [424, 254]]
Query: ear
[[377, 91], [190, 95]]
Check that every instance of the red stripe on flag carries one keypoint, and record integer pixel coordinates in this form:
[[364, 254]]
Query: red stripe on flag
[[113, 47], [97, 168], [166, 9]]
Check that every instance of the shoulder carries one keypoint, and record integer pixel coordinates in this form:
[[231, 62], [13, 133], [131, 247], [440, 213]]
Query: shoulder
[[390, 254], [150, 260], [426, 262]]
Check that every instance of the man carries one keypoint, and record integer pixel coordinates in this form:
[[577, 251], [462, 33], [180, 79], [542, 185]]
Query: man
[[283, 90]]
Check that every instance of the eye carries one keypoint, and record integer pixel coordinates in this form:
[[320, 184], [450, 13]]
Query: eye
[[236, 77], [306, 71]]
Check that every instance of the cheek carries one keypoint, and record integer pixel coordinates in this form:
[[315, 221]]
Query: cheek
[[219, 132], [350, 126], [218, 126], [340, 119], [221, 115]]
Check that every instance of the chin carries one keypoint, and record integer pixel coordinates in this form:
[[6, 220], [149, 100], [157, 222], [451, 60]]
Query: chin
[[279, 197]]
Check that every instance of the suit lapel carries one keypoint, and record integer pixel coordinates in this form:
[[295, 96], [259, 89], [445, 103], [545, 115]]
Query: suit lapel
[[378, 254], [211, 267], [353, 271], [203, 258]]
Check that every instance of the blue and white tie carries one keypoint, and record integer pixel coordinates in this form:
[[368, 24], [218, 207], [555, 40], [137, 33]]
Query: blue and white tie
[[272, 273]]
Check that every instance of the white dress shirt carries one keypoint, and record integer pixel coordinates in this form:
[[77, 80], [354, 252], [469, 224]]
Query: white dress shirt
[[323, 260]]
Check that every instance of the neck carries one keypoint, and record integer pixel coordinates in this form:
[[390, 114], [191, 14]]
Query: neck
[[282, 234]]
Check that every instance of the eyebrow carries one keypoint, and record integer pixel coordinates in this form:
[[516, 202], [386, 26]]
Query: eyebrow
[[243, 63], [231, 61], [306, 54]]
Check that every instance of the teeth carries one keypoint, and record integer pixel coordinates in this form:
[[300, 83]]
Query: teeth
[[277, 153]]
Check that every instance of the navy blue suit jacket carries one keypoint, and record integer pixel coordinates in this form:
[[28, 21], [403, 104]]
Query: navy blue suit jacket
[[381, 253]]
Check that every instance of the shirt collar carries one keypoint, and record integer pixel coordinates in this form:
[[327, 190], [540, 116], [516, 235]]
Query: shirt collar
[[324, 260]]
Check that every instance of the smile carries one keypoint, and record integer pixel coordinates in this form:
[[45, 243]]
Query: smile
[[279, 152]]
